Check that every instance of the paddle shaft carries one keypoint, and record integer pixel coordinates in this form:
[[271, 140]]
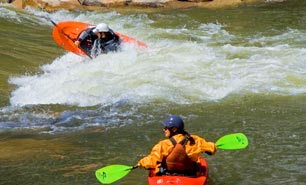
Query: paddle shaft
[[69, 37]]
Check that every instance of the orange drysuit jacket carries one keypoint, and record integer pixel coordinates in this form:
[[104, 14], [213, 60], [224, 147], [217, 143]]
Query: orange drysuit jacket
[[162, 149]]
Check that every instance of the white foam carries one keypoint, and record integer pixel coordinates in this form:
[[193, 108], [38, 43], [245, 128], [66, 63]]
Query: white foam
[[206, 67]]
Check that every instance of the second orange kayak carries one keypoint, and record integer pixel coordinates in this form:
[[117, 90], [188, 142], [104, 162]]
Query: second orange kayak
[[66, 33]]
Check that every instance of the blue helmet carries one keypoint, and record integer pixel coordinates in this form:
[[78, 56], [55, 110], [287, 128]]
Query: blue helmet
[[174, 121]]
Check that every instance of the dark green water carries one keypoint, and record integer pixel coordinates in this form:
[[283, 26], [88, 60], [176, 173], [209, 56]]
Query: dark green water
[[236, 70]]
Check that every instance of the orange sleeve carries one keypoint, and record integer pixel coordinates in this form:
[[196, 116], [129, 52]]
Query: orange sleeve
[[159, 151], [199, 147]]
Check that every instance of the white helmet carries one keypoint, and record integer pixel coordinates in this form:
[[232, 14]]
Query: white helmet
[[102, 27]]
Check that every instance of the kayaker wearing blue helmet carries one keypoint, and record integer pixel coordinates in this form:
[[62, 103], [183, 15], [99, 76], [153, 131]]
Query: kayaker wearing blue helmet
[[179, 153]]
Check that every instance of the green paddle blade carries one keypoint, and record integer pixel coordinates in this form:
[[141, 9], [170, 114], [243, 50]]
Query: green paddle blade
[[232, 141], [112, 173]]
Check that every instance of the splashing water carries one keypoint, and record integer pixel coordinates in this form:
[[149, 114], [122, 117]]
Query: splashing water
[[208, 65]]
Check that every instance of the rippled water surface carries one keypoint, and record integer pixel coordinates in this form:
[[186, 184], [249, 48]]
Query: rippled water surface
[[234, 70]]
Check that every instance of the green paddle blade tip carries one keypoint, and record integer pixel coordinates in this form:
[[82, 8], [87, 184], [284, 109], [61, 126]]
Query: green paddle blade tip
[[112, 173], [233, 141]]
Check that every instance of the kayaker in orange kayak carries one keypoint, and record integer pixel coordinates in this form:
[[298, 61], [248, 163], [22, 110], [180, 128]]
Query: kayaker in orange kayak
[[179, 153], [98, 40]]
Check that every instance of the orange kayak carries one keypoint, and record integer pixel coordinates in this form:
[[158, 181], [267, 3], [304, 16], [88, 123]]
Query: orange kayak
[[66, 33], [180, 180]]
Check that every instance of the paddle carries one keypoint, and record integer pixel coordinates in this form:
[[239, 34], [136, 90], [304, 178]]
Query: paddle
[[232, 141], [112, 173], [67, 36]]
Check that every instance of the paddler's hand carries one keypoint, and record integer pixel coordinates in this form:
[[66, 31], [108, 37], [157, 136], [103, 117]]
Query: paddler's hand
[[77, 43], [134, 167], [138, 165], [213, 151]]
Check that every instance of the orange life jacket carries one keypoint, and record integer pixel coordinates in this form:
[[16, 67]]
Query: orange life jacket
[[178, 161]]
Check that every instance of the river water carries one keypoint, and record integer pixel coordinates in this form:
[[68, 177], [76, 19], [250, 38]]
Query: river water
[[224, 71]]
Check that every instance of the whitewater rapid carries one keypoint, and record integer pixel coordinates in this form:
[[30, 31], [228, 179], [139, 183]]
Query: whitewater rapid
[[183, 64]]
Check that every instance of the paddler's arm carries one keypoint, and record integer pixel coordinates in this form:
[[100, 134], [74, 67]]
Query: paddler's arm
[[155, 157], [203, 146], [213, 149], [82, 36], [209, 148], [150, 161]]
